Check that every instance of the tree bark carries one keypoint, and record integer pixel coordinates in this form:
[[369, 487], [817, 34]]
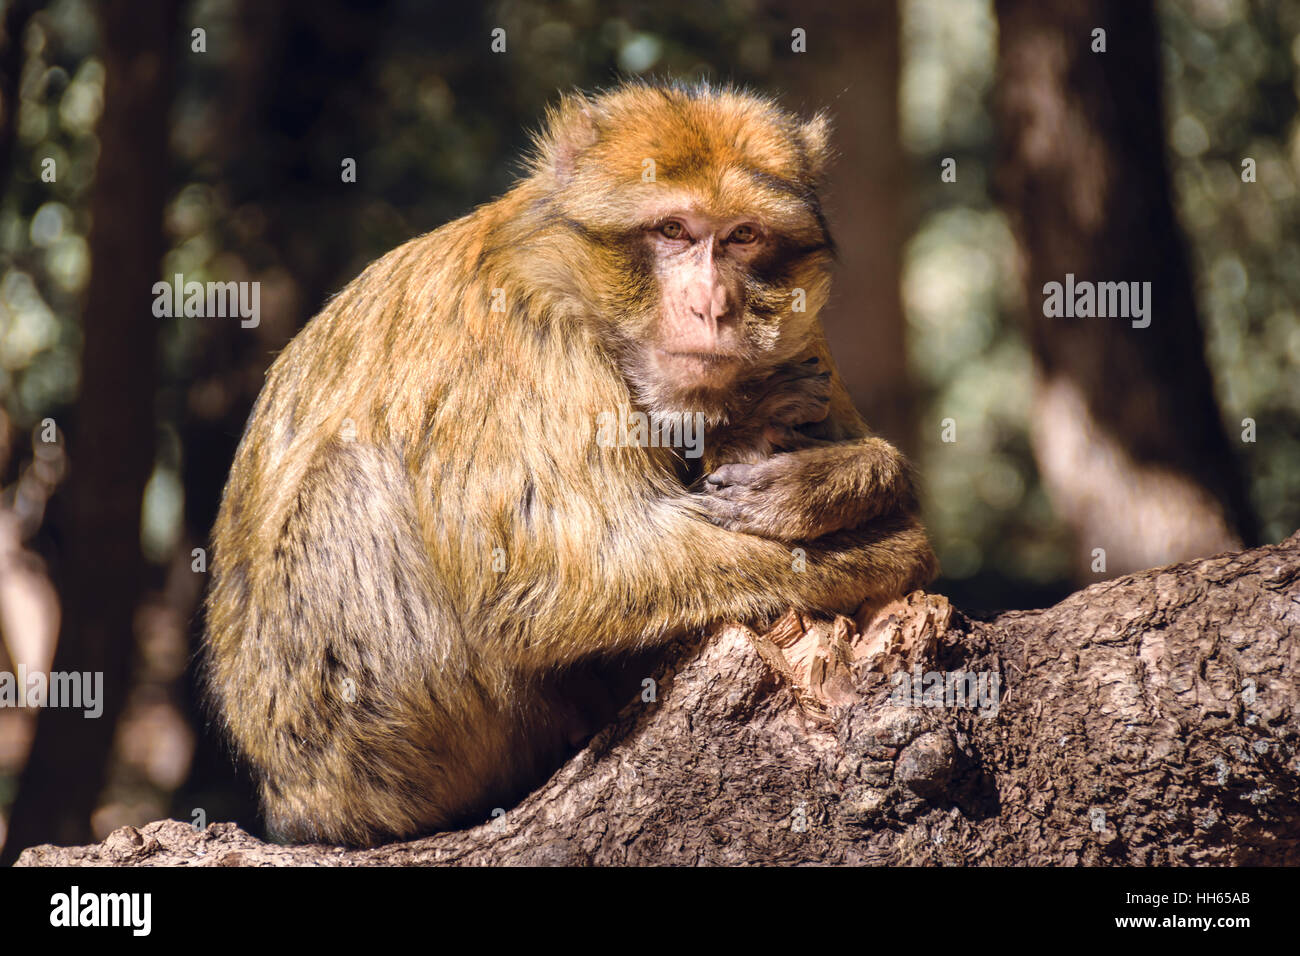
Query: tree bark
[[1150, 720], [1126, 430]]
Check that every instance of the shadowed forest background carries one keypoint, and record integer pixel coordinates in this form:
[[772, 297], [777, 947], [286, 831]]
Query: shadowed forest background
[[217, 155]]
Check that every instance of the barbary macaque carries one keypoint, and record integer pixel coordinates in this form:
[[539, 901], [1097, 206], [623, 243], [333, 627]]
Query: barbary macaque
[[421, 538]]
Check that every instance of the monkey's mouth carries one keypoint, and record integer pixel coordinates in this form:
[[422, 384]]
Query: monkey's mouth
[[699, 373], [708, 366]]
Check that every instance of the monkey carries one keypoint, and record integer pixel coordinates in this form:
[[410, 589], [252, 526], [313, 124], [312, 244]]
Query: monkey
[[420, 537]]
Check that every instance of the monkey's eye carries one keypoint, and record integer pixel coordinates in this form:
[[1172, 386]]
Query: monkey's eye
[[673, 229], [743, 235]]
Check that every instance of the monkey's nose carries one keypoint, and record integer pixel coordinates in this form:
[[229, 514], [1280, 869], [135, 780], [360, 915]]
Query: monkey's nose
[[710, 307], [705, 293]]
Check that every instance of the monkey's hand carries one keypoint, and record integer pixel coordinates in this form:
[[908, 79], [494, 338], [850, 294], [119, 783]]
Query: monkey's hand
[[802, 495], [794, 395]]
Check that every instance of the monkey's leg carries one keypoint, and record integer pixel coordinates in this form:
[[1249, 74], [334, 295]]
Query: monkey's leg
[[805, 494], [343, 672]]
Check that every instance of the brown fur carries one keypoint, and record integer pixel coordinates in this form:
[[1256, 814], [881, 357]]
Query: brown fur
[[409, 431]]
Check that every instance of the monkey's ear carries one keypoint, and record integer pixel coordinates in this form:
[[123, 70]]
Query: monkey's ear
[[572, 128], [815, 138]]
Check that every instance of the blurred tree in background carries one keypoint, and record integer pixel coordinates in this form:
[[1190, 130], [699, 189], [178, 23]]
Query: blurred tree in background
[[110, 428], [1126, 431], [1230, 82], [925, 321]]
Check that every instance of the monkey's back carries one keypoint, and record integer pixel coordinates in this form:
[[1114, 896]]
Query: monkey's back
[[360, 628]]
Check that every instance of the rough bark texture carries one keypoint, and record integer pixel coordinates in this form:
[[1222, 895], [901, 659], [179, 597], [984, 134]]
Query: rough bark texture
[[1153, 719]]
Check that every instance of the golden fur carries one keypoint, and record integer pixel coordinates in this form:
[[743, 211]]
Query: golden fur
[[419, 532]]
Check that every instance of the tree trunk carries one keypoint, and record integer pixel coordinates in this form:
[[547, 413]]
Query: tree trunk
[[112, 443], [852, 67], [1126, 430], [13, 29], [1150, 720]]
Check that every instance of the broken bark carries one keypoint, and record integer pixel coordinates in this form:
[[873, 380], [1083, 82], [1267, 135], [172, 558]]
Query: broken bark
[[1153, 719]]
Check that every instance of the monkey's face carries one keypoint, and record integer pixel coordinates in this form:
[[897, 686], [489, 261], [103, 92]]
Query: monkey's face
[[709, 256], [732, 292], [701, 264]]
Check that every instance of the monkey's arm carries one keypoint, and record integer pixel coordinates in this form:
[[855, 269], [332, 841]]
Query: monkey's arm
[[805, 494], [684, 571], [803, 464]]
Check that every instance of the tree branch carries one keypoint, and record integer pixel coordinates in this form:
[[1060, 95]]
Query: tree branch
[[1153, 719]]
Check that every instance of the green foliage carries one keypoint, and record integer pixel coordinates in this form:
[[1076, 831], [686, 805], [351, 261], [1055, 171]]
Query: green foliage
[[1232, 89], [44, 259]]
